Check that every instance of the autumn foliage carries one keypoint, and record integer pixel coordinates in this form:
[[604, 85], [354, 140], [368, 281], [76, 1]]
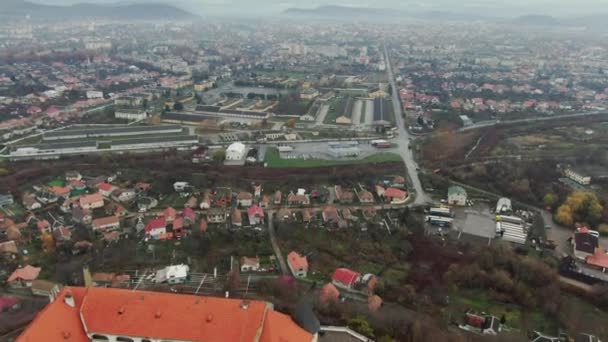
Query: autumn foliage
[[580, 207]]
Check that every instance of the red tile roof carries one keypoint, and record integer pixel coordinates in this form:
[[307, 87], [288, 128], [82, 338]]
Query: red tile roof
[[156, 223], [160, 316], [329, 292], [26, 273], [105, 187], [88, 199], [395, 193], [599, 258], [297, 261], [58, 321], [345, 276]]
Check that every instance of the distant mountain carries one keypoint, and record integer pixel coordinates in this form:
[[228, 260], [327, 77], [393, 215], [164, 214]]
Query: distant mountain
[[537, 20], [597, 21], [16, 9], [341, 11]]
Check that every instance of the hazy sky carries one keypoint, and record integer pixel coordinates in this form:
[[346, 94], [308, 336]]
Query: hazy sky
[[487, 7]]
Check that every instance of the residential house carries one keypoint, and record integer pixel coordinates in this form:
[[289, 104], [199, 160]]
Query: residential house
[[80, 215], [103, 279], [92, 201], [43, 226], [169, 214], [265, 201], [277, 197], [23, 277], [6, 199], [189, 216], [257, 191], [156, 228], [61, 191], [457, 195], [191, 203], [329, 293], [395, 196], [45, 288], [73, 175], [598, 259], [8, 250], [106, 223], [216, 215], [236, 218], [29, 202], [365, 197], [223, 197], [584, 243], [125, 195], [62, 235], [206, 201], [178, 227], [307, 215], [345, 278], [250, 264], [330, 215], [298, 265], [487, 325], [244, 199], [347, 215], [255, 214], [398, 182], [343, 195], [105, 189], [298, 199], [174, 274], [578, 176]]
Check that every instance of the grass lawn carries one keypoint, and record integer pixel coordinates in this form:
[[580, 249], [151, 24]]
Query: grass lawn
[[336, 108], [173, 200], [274, 160]]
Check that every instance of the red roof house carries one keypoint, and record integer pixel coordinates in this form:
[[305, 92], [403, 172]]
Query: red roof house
[[24, 276], [256, 214], [599, 259], [343, 277], [156, 227]]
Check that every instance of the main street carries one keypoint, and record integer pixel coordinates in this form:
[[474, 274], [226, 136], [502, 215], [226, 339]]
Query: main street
[[402, 140]]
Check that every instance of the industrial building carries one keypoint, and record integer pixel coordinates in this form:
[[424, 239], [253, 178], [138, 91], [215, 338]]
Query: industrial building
[[235, 152], [111, 131]]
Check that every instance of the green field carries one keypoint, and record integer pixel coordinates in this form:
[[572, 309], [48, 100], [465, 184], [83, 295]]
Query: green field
[[273, 159], [336, 108]]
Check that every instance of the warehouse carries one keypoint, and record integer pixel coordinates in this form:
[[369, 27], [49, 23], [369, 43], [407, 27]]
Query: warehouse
[[347, 149], [113, 131]]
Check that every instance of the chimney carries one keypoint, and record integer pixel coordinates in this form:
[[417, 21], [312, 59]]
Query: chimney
[[157, 314], [227, 294], [69, 299]]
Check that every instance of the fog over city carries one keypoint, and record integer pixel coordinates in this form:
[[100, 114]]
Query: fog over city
[[499, 8]]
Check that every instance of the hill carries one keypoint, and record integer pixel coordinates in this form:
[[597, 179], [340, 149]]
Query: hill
[[340, 12], [537, 20], [17, 9]]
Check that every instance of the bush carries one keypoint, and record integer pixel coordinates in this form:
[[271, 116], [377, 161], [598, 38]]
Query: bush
[[603, 229]]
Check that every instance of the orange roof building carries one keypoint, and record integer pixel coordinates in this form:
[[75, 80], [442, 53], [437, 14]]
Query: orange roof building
[[24, 276], [297, 264], [81, 314], [598, 259]]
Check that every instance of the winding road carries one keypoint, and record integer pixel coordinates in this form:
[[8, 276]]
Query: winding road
[[402, 140]]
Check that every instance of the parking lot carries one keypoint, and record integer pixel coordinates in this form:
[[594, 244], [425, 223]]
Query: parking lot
[[319, 150]]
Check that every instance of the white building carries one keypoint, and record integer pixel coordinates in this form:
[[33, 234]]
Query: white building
[[173, 274], [94, 94], [130, 114], [503, 205], [457, 195], [250, 264], [577, 176], [236, 151]]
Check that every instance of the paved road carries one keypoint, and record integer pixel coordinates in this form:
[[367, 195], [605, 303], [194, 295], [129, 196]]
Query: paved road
[[403, 140], [275, 244], [520, 121], [322, 114], [369, 113], [357, 112]]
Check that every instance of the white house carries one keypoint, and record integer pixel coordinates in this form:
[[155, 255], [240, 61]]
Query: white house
[[250, 264], [173, 274], [457, 195], [180, 186], [236, 151], [577, 176], [93, 94], [127, 114]]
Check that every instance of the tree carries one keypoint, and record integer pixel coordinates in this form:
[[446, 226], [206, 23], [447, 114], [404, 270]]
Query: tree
[[48, 243], [581, 207], [219, 155], [361, 325], [549, 199], [291, 123]]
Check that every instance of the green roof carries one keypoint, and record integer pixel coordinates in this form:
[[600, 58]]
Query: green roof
[[56, 182], [456, 190]]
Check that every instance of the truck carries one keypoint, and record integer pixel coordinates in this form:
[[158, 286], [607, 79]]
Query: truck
[[381, 144]]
